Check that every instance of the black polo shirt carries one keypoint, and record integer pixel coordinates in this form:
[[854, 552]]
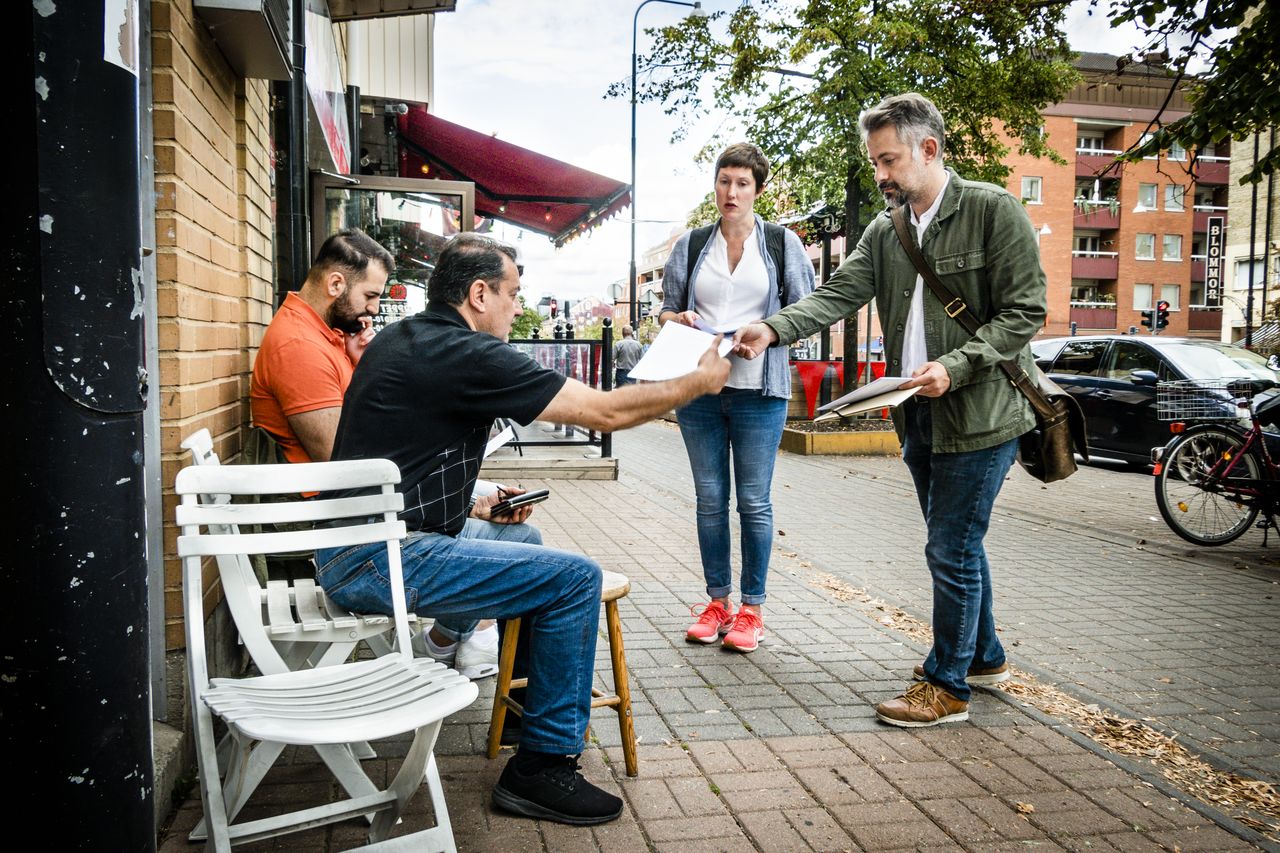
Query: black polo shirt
[[425, 395]]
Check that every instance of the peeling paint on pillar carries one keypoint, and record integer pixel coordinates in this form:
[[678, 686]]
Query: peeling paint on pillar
[[74, 674]]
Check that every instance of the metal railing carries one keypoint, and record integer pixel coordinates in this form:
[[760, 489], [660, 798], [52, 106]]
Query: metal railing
[[588, 360]]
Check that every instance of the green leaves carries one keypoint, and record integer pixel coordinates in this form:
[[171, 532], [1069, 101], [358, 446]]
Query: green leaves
[[797, 78]]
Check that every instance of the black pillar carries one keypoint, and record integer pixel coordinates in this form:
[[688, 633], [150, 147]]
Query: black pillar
[[76, 687]]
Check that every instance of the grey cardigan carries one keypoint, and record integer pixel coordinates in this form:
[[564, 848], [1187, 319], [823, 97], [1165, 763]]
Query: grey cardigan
[[677, 295]]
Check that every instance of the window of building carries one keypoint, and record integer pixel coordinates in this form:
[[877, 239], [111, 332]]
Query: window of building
[[1087, 244], [1146, 247], [1031, 190], [1146, 197], [1172, 247], [1087, 142], [1085, 290], [1142, 297], [1175, 197], [1142, 140], [1176, 152], [1242, 273], [1170, 293]]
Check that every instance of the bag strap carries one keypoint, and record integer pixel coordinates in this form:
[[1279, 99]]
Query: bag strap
[[959, 311], [775, 237], [775, 243]]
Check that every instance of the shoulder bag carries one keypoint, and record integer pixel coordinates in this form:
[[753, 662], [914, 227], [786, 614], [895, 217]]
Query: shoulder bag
[[1047, 451]]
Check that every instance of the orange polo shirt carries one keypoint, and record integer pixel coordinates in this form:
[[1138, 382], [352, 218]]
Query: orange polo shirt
[[301, 366]]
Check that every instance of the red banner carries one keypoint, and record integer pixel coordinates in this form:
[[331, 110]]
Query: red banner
[[813, 372]]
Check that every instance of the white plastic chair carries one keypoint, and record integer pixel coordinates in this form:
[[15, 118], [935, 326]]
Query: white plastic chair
[[303, 626], [323, 707]]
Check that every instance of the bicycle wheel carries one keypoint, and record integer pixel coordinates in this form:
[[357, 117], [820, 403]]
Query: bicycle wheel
[[1197, 506]]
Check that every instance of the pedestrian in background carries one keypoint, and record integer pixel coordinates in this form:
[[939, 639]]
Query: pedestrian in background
[[960, 432], [626, 353], [718, 278]]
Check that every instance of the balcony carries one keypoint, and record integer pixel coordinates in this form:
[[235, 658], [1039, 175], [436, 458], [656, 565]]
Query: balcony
[[1213, 170], [1100, 215], [1100, 265], [1202, 214], [1197, 267], [1096, 162], [1205, 318], [1094, 316]]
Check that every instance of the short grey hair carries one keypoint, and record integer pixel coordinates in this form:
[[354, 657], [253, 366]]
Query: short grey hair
[[913, 115], [466, 257]]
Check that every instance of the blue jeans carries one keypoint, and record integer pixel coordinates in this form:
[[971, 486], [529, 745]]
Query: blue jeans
[[458, 630], [956, 493], [746, 425], [556, 592]]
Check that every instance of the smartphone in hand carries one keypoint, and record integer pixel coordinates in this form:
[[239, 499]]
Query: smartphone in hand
[[509, 505]]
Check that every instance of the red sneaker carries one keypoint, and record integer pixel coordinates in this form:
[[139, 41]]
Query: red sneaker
[[712, 623], [746, 632]]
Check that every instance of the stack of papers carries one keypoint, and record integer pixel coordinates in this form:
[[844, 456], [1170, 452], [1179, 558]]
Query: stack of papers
[[675, 352], [883, 393]]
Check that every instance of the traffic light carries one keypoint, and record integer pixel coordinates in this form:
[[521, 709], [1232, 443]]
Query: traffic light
[[1162, 315], [1149, 319], [553, 309]]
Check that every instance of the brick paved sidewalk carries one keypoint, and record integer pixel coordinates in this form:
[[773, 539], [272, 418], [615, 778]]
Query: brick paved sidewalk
[[779, 750]]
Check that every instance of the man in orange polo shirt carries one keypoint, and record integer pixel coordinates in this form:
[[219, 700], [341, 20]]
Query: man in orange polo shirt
[[309, 351]]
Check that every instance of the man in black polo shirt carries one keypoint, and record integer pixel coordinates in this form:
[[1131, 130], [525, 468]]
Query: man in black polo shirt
[[425, 395]]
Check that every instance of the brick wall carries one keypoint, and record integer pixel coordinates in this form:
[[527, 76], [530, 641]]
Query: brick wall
[[213, 264], [1057, 210]]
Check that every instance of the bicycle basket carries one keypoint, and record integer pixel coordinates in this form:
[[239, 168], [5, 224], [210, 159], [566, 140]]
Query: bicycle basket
[[1202, 399]]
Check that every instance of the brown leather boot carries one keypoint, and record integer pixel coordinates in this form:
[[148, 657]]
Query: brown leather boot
[[976, 677], [923, 704]]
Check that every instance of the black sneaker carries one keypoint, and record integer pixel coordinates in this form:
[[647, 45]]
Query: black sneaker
[[557, 792]]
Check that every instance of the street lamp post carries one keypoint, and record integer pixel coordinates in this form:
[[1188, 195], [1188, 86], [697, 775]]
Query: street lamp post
[[635, 23]]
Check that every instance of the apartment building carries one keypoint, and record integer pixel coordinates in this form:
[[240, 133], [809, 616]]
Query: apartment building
[[1115, 239]]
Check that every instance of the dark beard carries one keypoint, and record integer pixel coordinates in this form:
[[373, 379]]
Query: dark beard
[[351, 325]]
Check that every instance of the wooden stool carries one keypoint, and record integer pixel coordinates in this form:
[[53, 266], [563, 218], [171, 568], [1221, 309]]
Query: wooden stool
[[615, 586]]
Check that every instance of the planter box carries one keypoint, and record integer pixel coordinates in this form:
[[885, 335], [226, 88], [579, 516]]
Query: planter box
[[871, 443]]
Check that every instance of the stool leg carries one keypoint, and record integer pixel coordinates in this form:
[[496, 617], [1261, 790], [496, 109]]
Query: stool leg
[[621, 687], [506, 663]]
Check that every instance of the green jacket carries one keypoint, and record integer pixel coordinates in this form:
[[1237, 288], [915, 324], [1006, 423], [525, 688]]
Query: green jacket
[[982, 245]]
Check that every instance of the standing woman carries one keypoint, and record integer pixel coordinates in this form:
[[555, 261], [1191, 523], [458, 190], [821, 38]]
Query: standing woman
[[719, 278]]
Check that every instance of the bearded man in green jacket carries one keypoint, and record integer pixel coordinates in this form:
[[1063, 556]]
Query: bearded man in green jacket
[[960, 431]]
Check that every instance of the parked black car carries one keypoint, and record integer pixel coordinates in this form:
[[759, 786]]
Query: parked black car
[[1114, 377]]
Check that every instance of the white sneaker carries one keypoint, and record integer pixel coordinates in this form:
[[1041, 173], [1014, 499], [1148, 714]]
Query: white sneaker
[[424, 648], [478, 654]]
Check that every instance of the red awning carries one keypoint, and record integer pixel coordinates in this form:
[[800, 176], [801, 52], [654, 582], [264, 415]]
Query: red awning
[[513, 184]]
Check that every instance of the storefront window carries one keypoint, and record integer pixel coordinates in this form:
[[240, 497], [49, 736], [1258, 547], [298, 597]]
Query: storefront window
[[412, 219]]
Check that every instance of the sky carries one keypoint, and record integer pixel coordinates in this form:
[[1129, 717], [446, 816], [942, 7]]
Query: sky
[[535, 72]]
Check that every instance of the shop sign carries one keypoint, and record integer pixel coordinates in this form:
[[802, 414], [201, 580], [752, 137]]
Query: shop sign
[[327, 91], [1213, 261]]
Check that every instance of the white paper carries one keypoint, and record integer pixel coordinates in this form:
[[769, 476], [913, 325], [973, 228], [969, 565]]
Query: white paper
[[499, 440], [887, 400], [874, 389], [675, 352]]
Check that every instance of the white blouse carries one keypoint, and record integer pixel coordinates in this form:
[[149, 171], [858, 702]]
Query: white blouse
[[728, 300]]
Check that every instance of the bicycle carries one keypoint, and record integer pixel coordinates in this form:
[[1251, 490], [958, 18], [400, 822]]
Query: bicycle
[[1215, 477]]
